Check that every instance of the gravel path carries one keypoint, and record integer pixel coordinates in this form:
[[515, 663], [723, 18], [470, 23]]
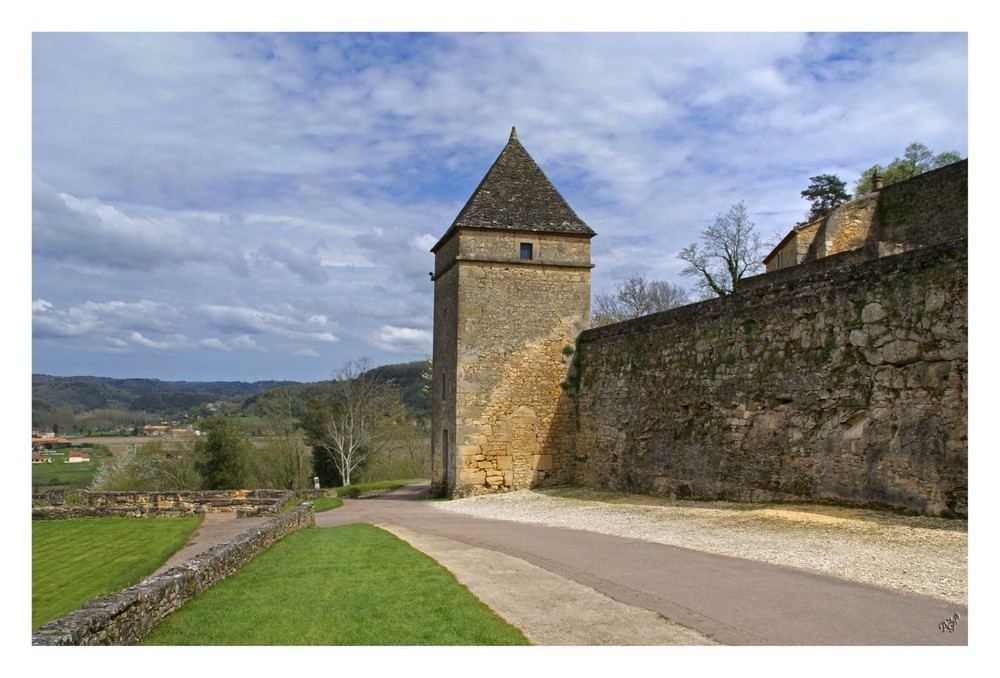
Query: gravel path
[[926, 556]]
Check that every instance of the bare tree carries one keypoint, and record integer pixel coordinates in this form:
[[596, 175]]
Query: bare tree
[[636, 296], [729, 251], [283, 460], [356, 423]]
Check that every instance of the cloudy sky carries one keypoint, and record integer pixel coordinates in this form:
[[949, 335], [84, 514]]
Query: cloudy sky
[[211, 206]]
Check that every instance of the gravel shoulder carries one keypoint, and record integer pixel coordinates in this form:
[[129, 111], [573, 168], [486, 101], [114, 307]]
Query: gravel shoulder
[[925, 556]]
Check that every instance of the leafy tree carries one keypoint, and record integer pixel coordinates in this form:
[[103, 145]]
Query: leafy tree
[[826, 191], [916, 159], [222, 452], [636, 296], [729, 251], [354, 424]]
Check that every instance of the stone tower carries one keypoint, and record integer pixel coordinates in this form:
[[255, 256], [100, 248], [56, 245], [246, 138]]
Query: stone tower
[[511, 294]]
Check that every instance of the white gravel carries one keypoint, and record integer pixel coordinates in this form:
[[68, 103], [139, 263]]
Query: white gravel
[[926, 556]]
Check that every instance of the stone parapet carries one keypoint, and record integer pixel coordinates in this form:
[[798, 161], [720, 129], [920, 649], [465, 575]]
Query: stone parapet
[[86, 504]]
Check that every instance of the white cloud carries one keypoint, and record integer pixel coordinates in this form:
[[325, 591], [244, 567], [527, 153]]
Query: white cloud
[[305, 264], [101, 318], [67, 227], [393, 339], [173, 341], [255, 186], [247, 321], [213, 343]]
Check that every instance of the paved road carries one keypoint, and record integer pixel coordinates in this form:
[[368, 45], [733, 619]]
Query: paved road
[[731, 600]]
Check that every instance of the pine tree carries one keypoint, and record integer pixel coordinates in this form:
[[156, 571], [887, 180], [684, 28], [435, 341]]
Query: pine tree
[[826, 191]]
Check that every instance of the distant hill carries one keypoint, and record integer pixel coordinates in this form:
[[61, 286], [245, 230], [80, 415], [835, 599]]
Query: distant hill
[[81, 394], [407, 377], [171, 399]]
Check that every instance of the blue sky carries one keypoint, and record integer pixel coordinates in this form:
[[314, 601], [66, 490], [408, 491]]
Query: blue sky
[[212, 206]]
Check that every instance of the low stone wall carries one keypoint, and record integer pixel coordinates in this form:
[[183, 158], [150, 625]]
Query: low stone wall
[[85, 504], [125, 618]]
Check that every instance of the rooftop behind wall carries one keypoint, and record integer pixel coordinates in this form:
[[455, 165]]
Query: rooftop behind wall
[[928, 209]]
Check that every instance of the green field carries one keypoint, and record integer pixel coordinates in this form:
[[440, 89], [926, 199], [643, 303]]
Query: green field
[[350, 585], [62, 475], [73, 561]]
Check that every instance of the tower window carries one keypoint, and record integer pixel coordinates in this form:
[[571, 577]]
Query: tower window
[[527, 251]]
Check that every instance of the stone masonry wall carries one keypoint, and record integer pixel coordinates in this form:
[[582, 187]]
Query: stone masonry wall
[[844, 384], [513, 419], [125, 618], [504, 327], [87, 504], [930, 208]]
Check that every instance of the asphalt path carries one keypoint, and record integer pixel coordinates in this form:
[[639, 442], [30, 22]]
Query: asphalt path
[[733, 601]]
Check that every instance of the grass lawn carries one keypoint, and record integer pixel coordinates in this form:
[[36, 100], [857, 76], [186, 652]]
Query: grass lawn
[[350, 585], [320, 504], [73, 561]]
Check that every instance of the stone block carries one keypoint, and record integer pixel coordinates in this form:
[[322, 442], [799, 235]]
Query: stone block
[[471, 476], [872, 312], [901, 352]]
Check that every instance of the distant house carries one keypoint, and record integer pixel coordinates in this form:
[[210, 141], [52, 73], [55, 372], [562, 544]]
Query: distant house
[[77, 457], [155, 430], [38, 458]]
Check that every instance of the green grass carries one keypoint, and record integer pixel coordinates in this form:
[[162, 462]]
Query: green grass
[[73, 561], [326, 503], [320, 504], [350, 585]]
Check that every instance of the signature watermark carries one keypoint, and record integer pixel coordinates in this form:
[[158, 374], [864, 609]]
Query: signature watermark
[[950, 623]]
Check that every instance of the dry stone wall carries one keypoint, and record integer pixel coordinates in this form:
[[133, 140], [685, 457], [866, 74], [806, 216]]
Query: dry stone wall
[[125, 618], [87, 504], [843, 384]]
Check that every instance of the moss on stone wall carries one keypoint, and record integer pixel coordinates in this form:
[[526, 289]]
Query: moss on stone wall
[[849, 385]]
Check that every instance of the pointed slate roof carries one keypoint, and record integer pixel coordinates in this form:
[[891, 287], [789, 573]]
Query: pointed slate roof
[[515, 195]]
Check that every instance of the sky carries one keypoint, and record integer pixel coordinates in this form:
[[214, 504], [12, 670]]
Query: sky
[[255, 206]]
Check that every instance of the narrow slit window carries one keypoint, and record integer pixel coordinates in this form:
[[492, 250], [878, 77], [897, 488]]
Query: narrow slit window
[[527, 251]]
